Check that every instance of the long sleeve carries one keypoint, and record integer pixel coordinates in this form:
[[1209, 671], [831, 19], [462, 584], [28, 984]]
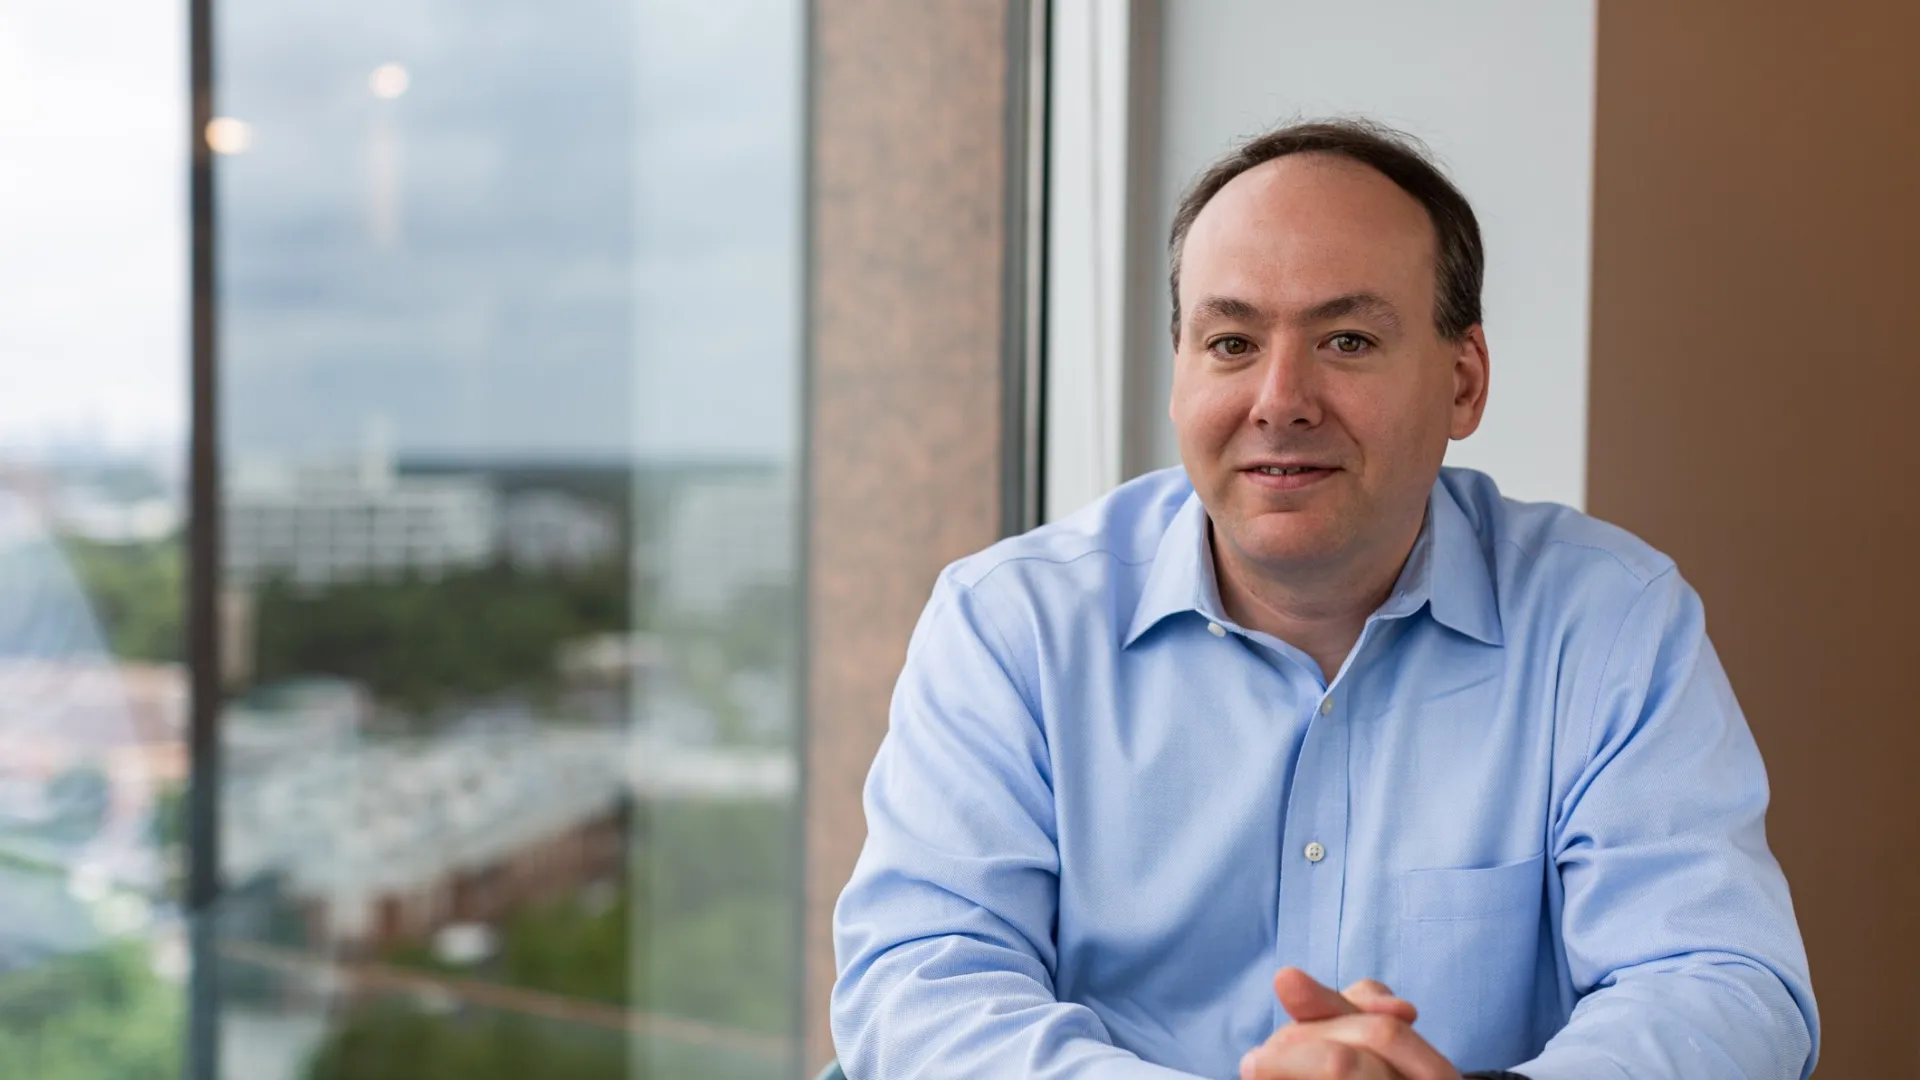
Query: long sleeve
[[944, 935], [1678, 931]]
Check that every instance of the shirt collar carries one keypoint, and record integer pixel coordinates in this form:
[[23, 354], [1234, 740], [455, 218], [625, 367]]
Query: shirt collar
[[1461, 591], [1181, 578], [1446, 571]]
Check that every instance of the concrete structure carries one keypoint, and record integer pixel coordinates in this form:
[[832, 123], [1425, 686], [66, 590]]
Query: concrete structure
[[910, 218]]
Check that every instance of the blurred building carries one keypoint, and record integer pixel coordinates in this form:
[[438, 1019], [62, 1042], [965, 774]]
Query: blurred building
[[322, 525], [292, 720], [390, 842], [543, 531], [105, 498], [726, 538], [102, 515]]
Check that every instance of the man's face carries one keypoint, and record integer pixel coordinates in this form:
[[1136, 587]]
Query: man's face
[[1307, 344]]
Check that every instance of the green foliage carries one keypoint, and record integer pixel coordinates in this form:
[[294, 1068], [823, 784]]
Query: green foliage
[[425, 644], [718, 927], [169, 823], [732, 963], [570, 949], [395, 1041], [95, 1014], [137, 592]]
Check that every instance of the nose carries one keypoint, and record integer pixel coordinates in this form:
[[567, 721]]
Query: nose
[[1289, 392]]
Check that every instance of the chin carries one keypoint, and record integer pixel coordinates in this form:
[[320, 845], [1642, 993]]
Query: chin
[[1281, 543]]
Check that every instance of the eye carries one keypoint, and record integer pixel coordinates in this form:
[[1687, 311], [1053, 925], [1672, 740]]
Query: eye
[[1350, 344], [1232, 346]]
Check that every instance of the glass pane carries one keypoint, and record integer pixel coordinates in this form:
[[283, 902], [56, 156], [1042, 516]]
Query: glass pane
[[510, 360], [93, 406]]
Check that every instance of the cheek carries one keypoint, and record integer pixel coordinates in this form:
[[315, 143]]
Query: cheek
[[1392, 421], [1205, 416]]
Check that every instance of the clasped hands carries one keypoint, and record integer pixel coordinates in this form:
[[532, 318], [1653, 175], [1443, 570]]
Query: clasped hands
[[1364, 1034]]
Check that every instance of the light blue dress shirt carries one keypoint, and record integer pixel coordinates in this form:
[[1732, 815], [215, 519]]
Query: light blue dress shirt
[[1104, 814]]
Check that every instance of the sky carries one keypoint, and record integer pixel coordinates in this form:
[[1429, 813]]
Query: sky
[[575, 234], [92, 223]]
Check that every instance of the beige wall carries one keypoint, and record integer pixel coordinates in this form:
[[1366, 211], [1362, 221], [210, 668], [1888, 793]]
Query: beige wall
[[1756, 413], [909, 117]]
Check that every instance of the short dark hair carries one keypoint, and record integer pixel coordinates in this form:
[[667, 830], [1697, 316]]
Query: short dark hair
[[1460, 262]]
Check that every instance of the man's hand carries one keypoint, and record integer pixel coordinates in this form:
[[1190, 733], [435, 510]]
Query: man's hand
[[1366, 1034]]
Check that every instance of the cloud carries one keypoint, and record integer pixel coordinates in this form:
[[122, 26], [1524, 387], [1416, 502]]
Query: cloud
[[92, 223], [576, 233]]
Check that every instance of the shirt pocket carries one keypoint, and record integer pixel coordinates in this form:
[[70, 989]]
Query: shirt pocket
[[1469, 958], [1472, 893]]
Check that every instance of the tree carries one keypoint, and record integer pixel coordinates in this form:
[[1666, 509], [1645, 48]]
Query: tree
[[395, 1040], [137, 592], [423, 644], [95, 1014]]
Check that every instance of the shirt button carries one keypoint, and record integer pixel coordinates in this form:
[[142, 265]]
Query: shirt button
[[1216, 629], [1326, 705], [1315, 852]]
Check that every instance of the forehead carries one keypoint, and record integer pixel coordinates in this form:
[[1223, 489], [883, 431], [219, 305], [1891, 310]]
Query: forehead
[[1296, 230]]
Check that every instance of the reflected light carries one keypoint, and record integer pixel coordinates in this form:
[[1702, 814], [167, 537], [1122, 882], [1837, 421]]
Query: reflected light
[[226, 135], [389, 81]]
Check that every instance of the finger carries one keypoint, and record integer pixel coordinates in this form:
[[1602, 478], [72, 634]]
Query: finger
[[1366, 989], [1387, 1038], [1374, 997], [1398, 1008], [1311, 1060], [1306, 999]]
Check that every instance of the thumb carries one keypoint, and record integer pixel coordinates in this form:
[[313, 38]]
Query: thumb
[[1305, 999]]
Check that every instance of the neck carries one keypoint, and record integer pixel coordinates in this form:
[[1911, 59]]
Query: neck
[[1318, 610]]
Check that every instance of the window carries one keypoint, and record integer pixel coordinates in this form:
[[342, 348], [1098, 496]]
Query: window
[[509, 363], [401, 594], [93, 422]]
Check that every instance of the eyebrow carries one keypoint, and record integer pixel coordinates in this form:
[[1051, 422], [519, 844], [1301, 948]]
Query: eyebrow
[[1228, 308], [1364, 304]]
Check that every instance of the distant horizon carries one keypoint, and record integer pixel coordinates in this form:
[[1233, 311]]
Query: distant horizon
[[543, 459], [88, 465]]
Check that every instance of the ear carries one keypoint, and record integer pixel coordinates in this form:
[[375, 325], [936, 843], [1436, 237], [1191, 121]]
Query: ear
[[1470, 374], [1173, 398]]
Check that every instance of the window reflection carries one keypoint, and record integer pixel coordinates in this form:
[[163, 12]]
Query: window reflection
[[509, 353]]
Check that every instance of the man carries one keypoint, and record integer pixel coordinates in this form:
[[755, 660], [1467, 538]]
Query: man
[[1314, 705]]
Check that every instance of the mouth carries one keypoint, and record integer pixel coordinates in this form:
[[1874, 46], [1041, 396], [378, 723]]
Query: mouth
[[1288, 477]]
